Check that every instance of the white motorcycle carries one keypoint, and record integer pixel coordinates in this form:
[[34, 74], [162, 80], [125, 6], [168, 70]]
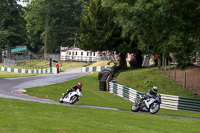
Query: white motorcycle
[[151, 105], [72, 97]]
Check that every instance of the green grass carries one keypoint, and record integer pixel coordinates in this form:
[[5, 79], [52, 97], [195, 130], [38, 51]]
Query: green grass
[[4, 74], [32, 64], [136, 78], [92, 95], [44, 64], [68, 65], [18, 116]]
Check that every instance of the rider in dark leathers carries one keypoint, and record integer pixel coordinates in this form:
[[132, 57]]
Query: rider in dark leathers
[[74, 88], [149, 94]]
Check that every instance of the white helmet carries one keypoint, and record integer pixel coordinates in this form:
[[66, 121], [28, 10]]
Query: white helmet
[[155, 89]]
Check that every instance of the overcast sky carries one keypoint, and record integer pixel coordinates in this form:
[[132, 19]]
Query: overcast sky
[[22, 3]]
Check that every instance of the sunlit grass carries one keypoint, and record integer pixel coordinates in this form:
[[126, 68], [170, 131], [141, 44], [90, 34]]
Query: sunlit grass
[[18, 116], [137, 78], [4, 74], [92, 95]]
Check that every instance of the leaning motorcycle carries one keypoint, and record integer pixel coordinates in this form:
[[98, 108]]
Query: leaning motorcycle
[[151, 105], [72, 97]]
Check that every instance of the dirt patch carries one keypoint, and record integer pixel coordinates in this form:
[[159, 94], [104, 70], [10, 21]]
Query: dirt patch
[[189, 78]]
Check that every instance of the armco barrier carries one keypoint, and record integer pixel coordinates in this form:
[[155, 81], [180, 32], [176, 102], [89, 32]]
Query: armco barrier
[[93, 69], [168, 101], [34, 71]]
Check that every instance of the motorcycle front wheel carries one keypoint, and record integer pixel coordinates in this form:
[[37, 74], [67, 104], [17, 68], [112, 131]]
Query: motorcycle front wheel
[[154, 108], [73, 99]]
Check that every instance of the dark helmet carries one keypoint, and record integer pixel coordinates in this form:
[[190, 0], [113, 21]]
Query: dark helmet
[[79, 85], [155, 89]]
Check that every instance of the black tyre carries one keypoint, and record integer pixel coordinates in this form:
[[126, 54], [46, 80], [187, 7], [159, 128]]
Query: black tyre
[[73, 99], [61, 101], [135, 107], [154, 108]]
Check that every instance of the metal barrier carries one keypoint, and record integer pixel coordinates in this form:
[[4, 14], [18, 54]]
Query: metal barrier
[[94, 69], [168, 101], [28, 71]]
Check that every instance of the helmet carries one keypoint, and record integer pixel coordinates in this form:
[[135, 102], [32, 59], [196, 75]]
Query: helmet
[[155, 89], [79, 85]]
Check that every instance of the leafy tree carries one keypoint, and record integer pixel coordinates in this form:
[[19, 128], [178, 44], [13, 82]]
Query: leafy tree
[[12, 29], [99, 32], [161, 27], [34, 15], [57, 22]]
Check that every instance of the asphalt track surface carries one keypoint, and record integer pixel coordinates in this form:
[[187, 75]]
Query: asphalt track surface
[[13, 88]]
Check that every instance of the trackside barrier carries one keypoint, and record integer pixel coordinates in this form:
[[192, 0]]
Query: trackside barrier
[[93, 69], [168, 101], [34, 71]]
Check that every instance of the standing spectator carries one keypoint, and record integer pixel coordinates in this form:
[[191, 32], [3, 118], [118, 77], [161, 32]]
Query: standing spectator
[[57, 66]]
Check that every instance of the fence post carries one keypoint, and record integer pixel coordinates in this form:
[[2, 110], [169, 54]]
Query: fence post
[[175, 74], [169, 67], [184, 79], [165, 64]]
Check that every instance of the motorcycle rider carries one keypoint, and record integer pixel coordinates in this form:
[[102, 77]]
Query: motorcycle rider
[[74, 88], [149, 94]]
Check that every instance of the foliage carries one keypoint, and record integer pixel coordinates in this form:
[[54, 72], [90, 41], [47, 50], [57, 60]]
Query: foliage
[[165, 84], [34, 15], [161, 27], [63, 24], [11, 23], [99, 32]]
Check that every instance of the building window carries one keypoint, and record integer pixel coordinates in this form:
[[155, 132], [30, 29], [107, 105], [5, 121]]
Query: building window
[[70, 53], [76, 53], [90, 53], [94, 54], [87, 53], [81, 53]]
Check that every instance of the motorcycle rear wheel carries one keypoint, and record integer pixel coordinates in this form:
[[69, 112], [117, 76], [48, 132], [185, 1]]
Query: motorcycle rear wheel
[[73, 99], [135, 107], [61, 101]]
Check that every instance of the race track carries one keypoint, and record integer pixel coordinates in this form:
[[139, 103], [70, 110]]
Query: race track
[[13, 87]]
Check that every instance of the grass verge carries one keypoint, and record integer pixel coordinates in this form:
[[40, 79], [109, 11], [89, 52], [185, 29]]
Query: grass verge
[[4, 74], [92, 95], [68, 65], [18, 116], [136, 79]]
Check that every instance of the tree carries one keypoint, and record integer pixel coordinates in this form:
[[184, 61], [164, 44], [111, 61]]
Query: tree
[[12, 29], [161, 27], [35, 16], [53, 23], [99, 32]]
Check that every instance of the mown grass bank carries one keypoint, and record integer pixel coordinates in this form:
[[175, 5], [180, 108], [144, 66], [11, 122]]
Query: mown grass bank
[[4, 74], [18, 116], [92, 95], [137, 79], [66, 65]]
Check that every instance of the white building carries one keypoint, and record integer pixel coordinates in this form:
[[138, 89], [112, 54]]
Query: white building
[[77, 54]]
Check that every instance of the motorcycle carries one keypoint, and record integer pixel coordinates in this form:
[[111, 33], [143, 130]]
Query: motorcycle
[[72, 97], [151, 105]]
